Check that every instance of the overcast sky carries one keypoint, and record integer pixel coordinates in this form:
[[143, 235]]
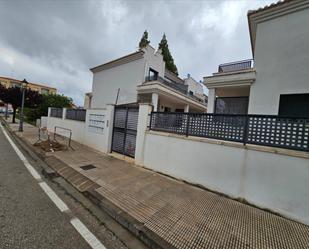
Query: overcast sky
[[56, 42]]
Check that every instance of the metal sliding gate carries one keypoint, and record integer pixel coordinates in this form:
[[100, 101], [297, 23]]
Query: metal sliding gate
[[125, 130]]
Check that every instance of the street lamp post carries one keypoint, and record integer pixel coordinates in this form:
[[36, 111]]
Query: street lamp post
[[21, 113], [6, 110]]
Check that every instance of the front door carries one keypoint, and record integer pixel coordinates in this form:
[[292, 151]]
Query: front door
[[125, 130]]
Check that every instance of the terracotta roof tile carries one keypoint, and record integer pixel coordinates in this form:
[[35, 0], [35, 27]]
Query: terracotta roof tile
[[272, 5]]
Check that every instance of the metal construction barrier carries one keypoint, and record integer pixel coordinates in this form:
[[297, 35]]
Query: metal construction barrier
[[65, 129]]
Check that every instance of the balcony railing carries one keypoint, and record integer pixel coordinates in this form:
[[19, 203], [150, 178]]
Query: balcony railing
[[176, 86], [235, 66], [196, 98], [275, 131]]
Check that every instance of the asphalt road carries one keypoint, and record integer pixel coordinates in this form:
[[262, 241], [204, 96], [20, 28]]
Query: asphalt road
[[30, 219]]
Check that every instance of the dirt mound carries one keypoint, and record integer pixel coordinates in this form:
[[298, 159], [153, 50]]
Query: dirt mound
[[49, 145]]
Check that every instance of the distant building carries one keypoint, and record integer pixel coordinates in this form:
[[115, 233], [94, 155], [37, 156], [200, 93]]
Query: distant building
[[10, 82], [195, 89]]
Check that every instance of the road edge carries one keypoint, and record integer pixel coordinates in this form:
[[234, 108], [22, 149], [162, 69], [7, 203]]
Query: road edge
[[130, 224]]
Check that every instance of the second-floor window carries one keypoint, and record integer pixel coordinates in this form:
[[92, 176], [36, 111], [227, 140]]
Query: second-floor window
[[14, 84], [44, 91], [153, 74]]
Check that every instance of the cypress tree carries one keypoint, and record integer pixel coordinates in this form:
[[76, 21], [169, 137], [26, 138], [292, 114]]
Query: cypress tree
[[144, 41], [167, 57]]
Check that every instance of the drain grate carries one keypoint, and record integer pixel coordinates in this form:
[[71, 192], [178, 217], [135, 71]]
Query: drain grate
[[87, 167]]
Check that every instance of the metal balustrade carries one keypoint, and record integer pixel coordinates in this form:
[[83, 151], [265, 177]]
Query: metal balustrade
[[76, 114], [267, 130], [182, 88], [56, 112], [176, 86], [235, 66]]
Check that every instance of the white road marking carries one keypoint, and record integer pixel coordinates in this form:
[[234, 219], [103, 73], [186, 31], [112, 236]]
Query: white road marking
[[29, 167], [86, 234], [54, 197], [76, 223], [51, 194], [32, 171], [18, 152]]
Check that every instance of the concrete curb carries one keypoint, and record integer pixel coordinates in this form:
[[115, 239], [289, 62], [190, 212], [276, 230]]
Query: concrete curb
[[148, 237]]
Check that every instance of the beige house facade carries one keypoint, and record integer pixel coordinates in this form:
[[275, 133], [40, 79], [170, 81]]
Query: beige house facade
[[42, 89]]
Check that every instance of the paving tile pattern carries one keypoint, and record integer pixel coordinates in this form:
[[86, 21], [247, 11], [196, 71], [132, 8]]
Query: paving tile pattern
[[187, 216], [183, 215], [78, 180]]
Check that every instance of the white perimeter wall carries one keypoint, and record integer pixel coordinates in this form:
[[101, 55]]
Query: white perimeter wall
[[281, 61], [88, 132], [268, 180], [44, 121], [97, 138], [77, 128]]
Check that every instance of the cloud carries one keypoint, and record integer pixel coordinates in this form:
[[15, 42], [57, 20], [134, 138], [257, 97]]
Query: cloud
[[56, 42], [7, 56], [58, 76]]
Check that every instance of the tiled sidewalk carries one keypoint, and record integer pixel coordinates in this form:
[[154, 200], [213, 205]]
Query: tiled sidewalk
[[181, 214]]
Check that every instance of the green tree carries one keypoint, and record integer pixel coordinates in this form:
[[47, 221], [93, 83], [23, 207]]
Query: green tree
[[167, 57], [48, 100], [2, 89], [144, 41], [13, 96]]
